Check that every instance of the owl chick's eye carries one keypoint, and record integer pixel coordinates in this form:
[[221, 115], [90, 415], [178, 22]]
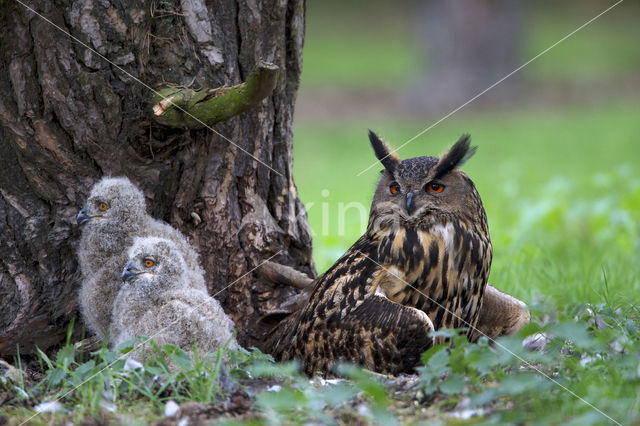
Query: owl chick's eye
[[434, 187], [102, 206], [148, 262], [394, 188]]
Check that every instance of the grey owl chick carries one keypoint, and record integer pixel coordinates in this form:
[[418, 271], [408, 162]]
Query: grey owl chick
[[157, 300], [115, 213]]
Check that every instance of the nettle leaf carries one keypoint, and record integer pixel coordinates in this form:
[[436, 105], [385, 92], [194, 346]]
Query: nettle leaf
[[457, 355], [264, 369], [338, 394], [483, 359], [126, 346], [367, 383], [109, 356], [65, 356], [525, 382], [383, 416], [85, 369], [575, 332], [154, 370], [439, 363], [426, 357], [453, 384], [56, 377], [284, 400], [509, 351], [486, 396], [180, 357], [436, 365], [239, 373]]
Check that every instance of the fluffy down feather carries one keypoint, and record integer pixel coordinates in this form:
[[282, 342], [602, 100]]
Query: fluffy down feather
[[157, 300], [115, 213]]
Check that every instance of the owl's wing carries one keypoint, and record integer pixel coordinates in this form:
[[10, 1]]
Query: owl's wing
[[500, 315], [379, 334]]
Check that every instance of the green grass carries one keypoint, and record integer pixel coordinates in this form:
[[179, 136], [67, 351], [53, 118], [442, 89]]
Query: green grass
[[601, 50], [592, 351], [350, 51], [103, 386]]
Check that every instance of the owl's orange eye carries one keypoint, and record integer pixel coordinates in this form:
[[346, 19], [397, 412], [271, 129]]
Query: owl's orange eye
[[394, 188], [103, 206], [435, 187], [149, 262]]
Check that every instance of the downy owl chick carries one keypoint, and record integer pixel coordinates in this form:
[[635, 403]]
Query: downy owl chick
[[421, 265], [157, 300], [115, 213]]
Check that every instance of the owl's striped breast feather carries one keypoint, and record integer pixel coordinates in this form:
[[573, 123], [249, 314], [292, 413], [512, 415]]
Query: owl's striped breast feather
[[441, 269]]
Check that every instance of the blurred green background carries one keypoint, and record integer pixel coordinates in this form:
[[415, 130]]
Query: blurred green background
[[558, 159]]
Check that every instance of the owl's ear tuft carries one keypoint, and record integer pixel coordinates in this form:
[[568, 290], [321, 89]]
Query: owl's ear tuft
[[384, 153], [455, 157]]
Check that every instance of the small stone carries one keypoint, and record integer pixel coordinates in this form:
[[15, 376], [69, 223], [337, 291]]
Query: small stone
[[196, 218], [536, 342], [131, 364], [50, 407], [108, 405], [171, 408]]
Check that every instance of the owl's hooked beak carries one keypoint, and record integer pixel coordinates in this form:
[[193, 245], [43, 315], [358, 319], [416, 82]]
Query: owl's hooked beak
[[410, 204], [130, 273], [83, 216]]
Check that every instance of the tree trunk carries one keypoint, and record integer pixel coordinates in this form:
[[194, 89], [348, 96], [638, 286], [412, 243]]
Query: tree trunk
[[69, 117], [466, 46]]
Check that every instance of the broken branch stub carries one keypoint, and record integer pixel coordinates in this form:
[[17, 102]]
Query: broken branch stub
[[194, 109], [283, 274]]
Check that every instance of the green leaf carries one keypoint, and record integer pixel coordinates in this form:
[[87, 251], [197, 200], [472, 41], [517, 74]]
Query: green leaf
[[56, 377], [430, 352], [366, 382], [339, 394], [457, 355], [483, 359], [439, 363], [283, 401], [453, 384], [575, 332], [126, 346], [239, 373], [85, 369], [285, 369], [525, 382], [65, 356], [181, 358], [154, 370]]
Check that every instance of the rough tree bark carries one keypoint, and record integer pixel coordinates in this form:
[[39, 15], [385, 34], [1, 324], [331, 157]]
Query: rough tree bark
[[68, 117]]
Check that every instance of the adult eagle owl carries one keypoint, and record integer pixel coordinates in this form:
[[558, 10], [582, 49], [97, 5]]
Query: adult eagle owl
[[421, 265]]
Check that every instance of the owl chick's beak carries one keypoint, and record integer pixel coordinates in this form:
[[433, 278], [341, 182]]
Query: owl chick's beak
[[410, 204], [83, 216], [130, 273]]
